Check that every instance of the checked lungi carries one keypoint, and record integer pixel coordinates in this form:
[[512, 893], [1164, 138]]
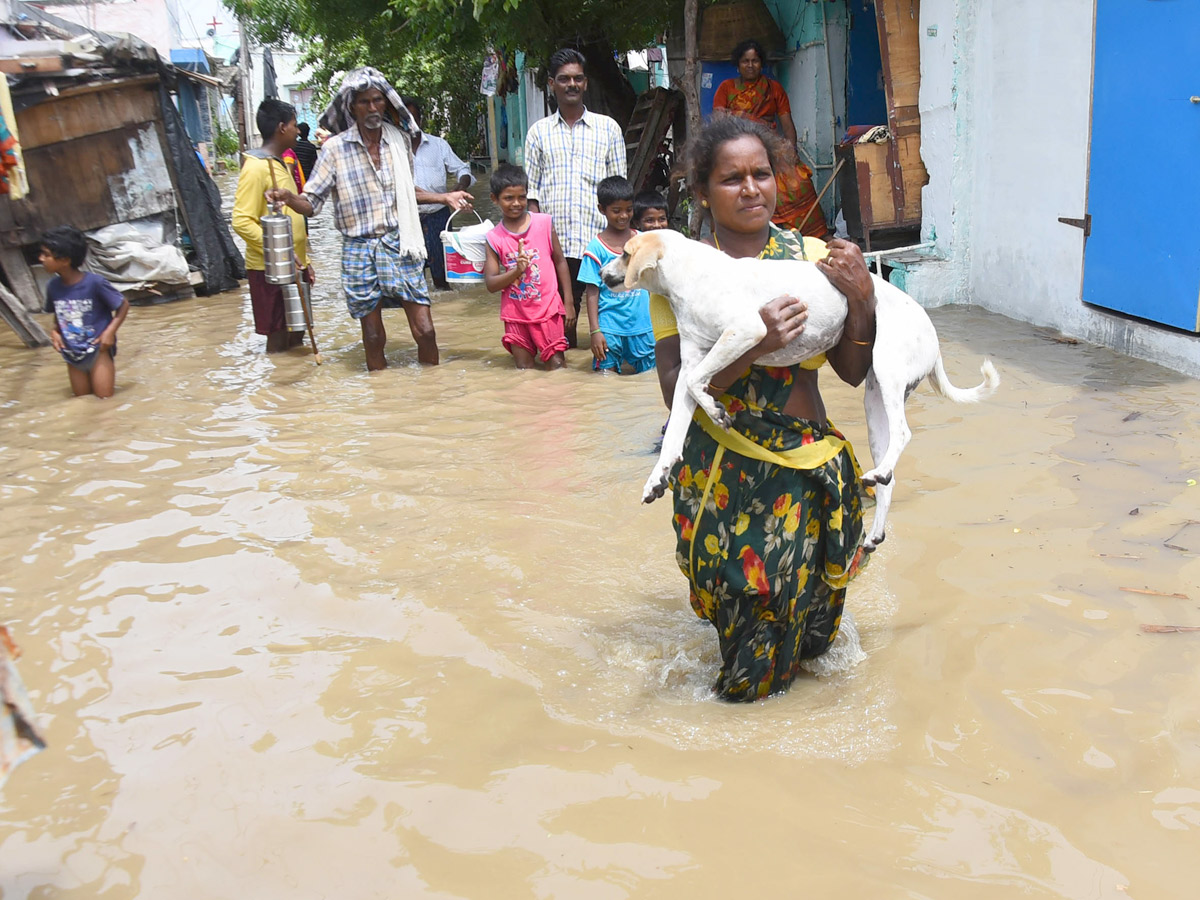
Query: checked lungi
[[374, 272]]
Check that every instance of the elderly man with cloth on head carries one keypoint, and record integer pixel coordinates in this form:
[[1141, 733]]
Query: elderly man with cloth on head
[[367, 168]]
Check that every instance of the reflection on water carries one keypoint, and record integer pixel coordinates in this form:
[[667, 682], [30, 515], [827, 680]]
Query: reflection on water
[[279, 616]]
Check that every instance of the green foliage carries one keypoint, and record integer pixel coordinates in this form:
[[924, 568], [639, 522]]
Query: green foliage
[[226, 143], [435, 48], [439, 67]]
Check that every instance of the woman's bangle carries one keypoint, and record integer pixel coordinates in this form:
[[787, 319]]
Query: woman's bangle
[[860, 343], [596, 330], [718, 389]]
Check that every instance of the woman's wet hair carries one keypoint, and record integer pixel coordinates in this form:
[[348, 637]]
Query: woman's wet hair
[[720, 130], [506, 176], [740, 50], [65, 242]]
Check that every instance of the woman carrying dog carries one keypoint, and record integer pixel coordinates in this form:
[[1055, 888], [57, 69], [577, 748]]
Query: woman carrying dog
[[768, 516]]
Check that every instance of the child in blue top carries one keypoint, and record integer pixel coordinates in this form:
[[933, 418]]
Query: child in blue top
[[619, 321], [87, 313]]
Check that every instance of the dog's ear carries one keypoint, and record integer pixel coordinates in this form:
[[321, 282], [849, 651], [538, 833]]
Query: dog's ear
[[645, 254]]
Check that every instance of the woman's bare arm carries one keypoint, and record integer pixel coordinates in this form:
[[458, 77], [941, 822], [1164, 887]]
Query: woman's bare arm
[[847, 271]]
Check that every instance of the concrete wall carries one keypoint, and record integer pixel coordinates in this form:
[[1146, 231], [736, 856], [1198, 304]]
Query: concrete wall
[[155, 21], [1005, 121]]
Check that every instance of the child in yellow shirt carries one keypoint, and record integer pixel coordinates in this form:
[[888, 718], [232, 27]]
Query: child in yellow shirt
[[277, 124]]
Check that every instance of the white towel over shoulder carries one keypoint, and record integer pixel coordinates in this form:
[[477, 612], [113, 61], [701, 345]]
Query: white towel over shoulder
[[412, 239]]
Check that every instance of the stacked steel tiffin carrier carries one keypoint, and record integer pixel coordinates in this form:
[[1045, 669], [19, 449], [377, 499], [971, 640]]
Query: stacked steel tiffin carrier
[[280, 267]]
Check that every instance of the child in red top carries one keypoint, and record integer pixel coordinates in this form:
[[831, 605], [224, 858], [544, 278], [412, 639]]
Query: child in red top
[[526, 264]]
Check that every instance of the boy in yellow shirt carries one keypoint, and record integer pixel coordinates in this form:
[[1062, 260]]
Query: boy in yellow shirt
[[277, 123]]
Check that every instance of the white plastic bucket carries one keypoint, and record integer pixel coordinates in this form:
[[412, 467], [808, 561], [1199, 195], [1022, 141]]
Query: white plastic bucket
[[465, 251]]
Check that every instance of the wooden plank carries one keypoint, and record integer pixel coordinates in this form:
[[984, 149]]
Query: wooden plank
[[21, 321], [20, 278], [80, 115], [109, 177], [899, 50], [913, 175], [107, 84], [899, 38], [26, 65]]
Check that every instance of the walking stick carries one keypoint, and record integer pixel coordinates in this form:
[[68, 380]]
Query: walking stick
[[300, 286], [306, 302], [817, 202]]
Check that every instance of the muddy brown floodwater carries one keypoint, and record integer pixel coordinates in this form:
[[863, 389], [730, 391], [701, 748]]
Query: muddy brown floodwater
[[304, 632]]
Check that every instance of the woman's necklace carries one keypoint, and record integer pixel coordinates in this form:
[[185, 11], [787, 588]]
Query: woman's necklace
[[717, 245]]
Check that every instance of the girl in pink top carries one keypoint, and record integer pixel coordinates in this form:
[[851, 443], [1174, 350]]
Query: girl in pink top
[[525, 263]]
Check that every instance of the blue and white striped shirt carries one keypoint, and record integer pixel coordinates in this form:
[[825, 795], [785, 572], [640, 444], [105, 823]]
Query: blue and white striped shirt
[[564, 164]]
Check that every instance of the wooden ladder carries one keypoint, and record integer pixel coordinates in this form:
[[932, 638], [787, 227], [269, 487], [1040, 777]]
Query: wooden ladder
[[652, 116]]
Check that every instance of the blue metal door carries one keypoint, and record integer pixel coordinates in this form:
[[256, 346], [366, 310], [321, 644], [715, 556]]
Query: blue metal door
[[1143, 256]]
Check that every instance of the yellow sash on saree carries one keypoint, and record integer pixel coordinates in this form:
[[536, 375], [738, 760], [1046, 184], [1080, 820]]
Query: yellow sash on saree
[[807, 456]]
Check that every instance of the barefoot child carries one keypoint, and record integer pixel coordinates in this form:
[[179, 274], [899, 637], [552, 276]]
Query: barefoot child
[[526, 264], [87, 313], [650, 212], [619, 321]]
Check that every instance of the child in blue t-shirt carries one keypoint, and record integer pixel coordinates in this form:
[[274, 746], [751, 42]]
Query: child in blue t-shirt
[[619, 321], [87, 313]]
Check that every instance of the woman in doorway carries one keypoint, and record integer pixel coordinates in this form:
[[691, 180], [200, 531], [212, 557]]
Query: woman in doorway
[[768, 517], [752, 95]]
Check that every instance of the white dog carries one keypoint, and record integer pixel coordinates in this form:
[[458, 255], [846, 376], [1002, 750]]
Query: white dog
[[716, 301]]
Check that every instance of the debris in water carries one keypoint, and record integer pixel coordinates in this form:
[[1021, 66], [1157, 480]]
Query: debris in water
[[1173, 540], [19, 739], [1169, 629], [1154, 593]]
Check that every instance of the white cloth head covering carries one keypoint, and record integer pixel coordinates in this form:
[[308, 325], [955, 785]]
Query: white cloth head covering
[[338, 117]]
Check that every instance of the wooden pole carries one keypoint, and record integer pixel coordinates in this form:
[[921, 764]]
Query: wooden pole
[[493, 146], [817, 202], [691, 98]]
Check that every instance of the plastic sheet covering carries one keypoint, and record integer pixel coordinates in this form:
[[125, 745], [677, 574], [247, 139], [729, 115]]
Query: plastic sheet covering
[[132, 256], [19, 738], [217, 256]]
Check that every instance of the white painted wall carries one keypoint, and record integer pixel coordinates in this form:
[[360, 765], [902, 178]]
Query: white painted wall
[[155, 21], [1005, 120]]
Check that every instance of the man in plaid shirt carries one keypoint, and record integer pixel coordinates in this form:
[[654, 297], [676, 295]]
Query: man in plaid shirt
[[566, 156], [366, 168]]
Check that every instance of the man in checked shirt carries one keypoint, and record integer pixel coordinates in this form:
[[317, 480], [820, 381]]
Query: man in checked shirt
[[366, 168], [566, 156]]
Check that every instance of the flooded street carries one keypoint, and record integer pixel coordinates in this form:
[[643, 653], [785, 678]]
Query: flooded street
[[303, 632]]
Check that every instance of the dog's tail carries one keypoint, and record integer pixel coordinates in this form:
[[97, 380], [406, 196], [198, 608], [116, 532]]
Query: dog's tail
[[941, 384]]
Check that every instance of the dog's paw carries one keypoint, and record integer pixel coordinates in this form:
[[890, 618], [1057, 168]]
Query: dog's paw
[[871, 544], [722, 417], [656, 486], [876, 476]]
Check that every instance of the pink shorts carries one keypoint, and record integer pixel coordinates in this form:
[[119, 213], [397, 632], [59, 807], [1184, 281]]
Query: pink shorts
[[541, 339]]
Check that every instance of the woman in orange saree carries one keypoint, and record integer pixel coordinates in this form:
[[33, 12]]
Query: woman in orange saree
[[751, 95]]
